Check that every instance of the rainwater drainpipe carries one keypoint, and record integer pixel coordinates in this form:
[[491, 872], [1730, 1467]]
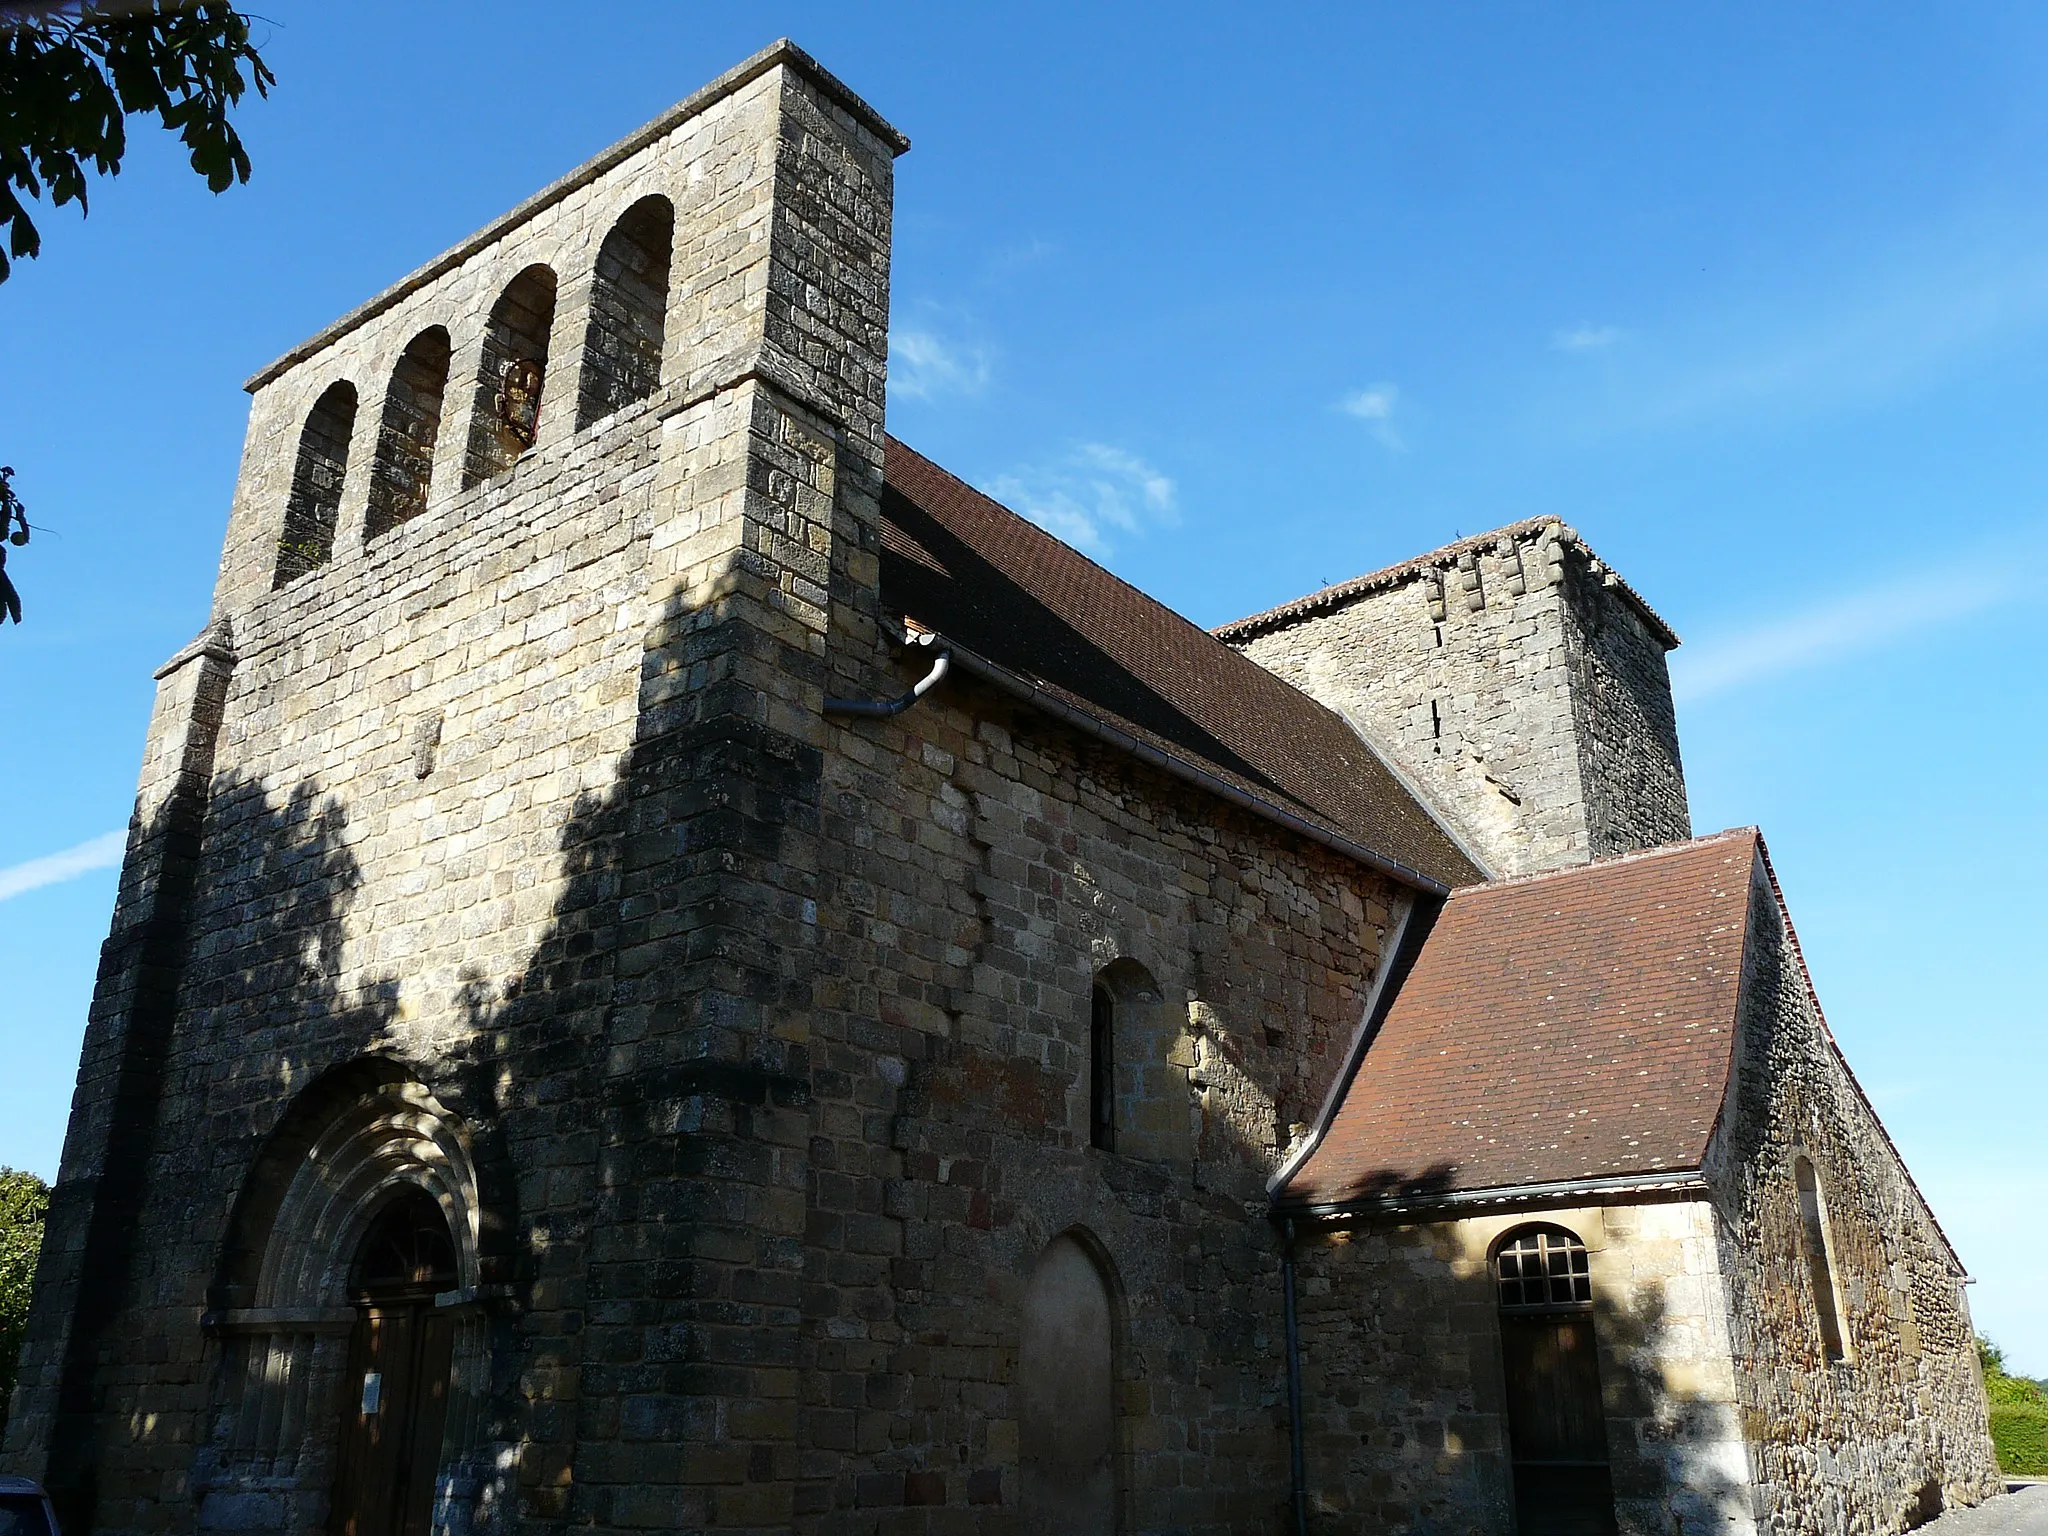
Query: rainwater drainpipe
[[882, 708], [1298, 1468]]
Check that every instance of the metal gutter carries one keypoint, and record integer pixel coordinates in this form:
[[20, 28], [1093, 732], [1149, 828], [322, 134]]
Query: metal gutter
[[882, 709], [1685, 1180], [1047, 703]]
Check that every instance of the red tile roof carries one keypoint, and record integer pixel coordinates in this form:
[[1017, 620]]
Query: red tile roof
[[1564, 1026], [957, 562]]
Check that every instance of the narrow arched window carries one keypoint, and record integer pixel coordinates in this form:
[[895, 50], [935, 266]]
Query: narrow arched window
[[314, 501], [1102, 1069], [514, 368], [628, 309], [406, 435], [1819, 1255], [1550, 1366]]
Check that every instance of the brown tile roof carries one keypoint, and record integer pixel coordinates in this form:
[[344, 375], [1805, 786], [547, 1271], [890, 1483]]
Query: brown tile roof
[[1529, 530], [1566, 1026], [959, 563]]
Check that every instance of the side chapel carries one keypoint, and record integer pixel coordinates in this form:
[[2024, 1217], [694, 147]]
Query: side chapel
[[680, 968]]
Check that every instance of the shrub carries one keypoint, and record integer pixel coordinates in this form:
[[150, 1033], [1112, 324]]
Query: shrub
[[2019, 1415], [2019, 1431], [24, 1201]]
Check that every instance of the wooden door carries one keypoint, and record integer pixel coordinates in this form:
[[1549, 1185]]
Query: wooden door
[[393, 1419], [394, 1406], [1557, 1430]]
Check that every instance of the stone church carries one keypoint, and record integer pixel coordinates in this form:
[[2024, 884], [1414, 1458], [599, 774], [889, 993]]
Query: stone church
[[680, 968]]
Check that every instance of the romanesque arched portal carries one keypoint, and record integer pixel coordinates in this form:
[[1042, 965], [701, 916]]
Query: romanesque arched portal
[[353, 1351]]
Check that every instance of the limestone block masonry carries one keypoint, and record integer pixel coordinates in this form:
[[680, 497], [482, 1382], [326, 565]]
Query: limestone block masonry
[[1514, 679], [761, 1088], [518, 799], [509, 855]]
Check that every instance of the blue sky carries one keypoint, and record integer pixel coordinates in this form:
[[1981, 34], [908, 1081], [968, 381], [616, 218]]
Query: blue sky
[[1756, 298]]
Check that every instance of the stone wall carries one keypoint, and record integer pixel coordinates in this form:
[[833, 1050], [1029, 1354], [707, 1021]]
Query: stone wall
[[1513, 680], [1404, 1406], [984, 869], [1882, 1439], [500, 800], [748, 1048]]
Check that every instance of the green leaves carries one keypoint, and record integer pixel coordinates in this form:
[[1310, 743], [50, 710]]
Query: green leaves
[[71, 75], [24, 1202]]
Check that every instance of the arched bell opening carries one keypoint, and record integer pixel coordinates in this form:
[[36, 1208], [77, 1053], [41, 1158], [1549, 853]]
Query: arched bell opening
[[318, 474], [408, 432], [628, 311], [505, 420]]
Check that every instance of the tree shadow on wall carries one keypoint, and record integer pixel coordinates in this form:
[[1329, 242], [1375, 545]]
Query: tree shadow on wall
[[219, 977]]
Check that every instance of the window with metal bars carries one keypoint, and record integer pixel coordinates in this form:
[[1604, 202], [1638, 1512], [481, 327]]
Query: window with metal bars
[[1542, 1268]]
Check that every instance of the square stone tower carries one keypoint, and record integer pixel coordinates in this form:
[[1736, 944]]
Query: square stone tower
[[497, 769], [1515, 680]]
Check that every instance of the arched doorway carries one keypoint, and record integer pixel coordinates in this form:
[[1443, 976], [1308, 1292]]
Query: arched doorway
[[1066, 1384], [1557, 1426], [395, 1393], [356, 1246]]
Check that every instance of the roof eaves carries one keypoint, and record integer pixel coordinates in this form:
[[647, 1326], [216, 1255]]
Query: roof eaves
[[1607, 1188]]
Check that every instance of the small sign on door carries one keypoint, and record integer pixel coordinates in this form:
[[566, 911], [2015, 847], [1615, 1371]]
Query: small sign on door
[[373, 1392]]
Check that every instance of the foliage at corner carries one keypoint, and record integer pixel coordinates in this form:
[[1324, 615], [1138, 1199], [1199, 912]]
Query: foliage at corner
[[2019, 1415], [24, 1202], [71, 74]]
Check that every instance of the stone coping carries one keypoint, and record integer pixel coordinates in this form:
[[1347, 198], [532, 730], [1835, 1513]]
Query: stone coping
[[1529, 530], [781, 51]]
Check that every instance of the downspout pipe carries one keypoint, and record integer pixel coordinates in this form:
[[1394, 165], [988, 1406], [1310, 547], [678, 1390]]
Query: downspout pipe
[[883, 708], [1298, 1463]]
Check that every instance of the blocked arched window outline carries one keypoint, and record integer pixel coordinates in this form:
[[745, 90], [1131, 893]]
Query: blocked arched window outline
[[511, 376], [1070, 1434], [1817, 1248], [407, 433], [318, 474], [622, 341]]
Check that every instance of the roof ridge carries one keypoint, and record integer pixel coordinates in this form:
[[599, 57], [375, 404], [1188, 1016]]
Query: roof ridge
[[1594, 866], [1444, 555]]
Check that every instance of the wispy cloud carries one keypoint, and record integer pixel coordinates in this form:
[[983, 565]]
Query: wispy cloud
[[1874, 328], [1089, 492], [1374, 405], [102, 852], [1586, 337], [927, 366], [1843, 627]]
